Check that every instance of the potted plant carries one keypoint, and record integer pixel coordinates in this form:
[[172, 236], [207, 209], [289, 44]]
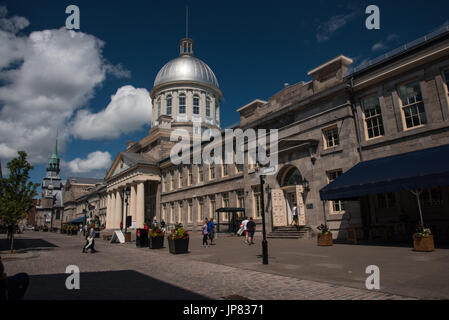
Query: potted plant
[[178, 240], [324, 236], [156, 238], [423, 240]]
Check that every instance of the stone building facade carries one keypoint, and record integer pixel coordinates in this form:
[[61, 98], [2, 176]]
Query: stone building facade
[[84, 194], [398, 103]]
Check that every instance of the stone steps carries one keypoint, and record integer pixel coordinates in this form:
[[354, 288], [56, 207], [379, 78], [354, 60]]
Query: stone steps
[[289, 232]]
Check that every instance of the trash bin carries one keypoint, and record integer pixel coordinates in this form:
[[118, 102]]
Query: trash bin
[[141, 238]]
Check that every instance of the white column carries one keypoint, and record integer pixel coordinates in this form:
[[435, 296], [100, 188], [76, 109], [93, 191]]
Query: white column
[[108, 207], [118, 209], [140, 205], [111, 212], [133, 203]]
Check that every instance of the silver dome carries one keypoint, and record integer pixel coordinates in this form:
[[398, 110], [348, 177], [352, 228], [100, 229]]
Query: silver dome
[[186, 68]]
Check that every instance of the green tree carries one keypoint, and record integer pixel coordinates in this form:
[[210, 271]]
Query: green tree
[[16, 192]]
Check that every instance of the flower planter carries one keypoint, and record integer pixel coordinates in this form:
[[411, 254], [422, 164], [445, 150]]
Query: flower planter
[[424, 244], [325, 240], [178, 245], [156, 242]]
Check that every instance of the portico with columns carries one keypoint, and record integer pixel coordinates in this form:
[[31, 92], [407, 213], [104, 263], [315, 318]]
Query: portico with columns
[[141, 175]]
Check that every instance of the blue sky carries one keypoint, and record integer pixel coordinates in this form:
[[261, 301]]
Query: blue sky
[[254, 47]]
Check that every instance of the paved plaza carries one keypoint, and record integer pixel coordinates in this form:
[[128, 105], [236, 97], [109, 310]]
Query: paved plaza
[[297, 269]]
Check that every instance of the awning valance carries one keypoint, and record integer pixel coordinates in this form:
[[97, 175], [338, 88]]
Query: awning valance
[[77, 220], [408, 171]]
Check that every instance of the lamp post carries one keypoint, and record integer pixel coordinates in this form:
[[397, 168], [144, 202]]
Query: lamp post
[[264, 241], [127, 193], [86, 205]]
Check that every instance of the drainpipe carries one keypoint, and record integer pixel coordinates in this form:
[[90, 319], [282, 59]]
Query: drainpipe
[[354, 117]]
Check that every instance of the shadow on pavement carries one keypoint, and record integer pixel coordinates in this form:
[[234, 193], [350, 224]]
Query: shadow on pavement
[[20, 244], [110, 285]]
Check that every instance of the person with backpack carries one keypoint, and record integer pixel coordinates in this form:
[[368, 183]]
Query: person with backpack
[[205, 232]]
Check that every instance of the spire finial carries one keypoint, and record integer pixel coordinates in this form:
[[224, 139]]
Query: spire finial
[[187, 22]]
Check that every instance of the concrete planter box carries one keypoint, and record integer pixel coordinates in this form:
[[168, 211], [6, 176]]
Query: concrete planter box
[[325, 240], [178, 245], [156, 242], [424, 244]]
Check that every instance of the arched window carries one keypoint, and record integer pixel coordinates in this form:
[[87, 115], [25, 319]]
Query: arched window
[[169, 104], [196, 104], [207, 107], [292, 177], [182, 103], [158, 108]]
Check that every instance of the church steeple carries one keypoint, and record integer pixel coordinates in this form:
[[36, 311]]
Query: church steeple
[[53, 162]]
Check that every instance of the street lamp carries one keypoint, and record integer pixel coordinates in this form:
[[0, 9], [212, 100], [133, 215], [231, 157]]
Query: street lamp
[[127, 193], [305, 184], [86, 205], [264, 241]]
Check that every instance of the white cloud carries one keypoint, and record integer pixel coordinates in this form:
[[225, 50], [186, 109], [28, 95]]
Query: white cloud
[[378, 46], [128, 111], [97, 160], [46, 77], [327, 28]]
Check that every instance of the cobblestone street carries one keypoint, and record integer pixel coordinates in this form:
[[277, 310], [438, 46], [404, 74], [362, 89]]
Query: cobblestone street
[[122, 271]]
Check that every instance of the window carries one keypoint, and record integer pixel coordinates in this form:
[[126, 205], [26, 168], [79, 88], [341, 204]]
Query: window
[[225, 170], [331, 137], [216, 112], [373, 117], [432, 197], [211, 171], [163, 182], [336, 206], [386, 200], [181, 177], [158, 108], [189, 212], [172, 213], [412, 105], [182, 103], [241, 199], [200, 173], [207, 107], [190, 176], [212, 206], [196, 105], [164, 212], [169, 102], [172, 180], [225, 198]]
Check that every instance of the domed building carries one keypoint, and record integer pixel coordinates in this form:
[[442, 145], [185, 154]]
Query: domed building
[[186, 90]]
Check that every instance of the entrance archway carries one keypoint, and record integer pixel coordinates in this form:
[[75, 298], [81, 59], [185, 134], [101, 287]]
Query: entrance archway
[[287, 196]]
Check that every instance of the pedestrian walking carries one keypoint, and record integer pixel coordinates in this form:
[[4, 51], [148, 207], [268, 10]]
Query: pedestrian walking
[[90, 242], [211, 230], [251, 227], [295, 215], [163, 225], [205, 232], [245, 230]]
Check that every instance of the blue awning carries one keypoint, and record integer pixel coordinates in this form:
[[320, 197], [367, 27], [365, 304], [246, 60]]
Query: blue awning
[[77, 220], [408, 171]]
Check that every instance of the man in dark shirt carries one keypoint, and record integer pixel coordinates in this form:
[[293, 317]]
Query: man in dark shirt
[[251, 228]]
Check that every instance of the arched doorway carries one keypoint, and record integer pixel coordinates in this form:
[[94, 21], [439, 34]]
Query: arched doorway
[[287, 196]]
